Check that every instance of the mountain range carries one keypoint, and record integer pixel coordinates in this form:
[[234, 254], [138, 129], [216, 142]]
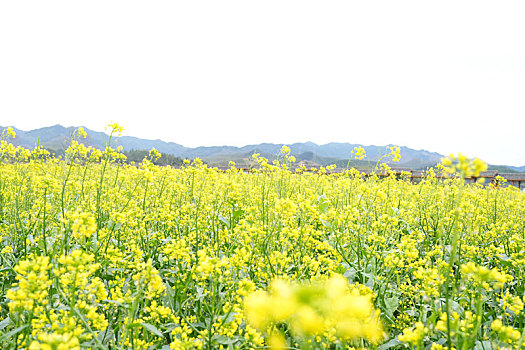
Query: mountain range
[[57, 138]]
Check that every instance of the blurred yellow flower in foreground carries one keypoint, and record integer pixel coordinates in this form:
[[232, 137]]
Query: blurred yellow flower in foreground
[[316, 308], [463, 166]]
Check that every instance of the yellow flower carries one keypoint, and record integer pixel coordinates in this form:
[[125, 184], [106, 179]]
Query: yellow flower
[[54, 341], [484, 277], [33, 283], [6, 250], [277, 341], [506, 334], [82, 132], [84, 225], [10, 132], [359, 153], [414, 336], [316, 308], [463, 166], [115, 128], [258, 308]]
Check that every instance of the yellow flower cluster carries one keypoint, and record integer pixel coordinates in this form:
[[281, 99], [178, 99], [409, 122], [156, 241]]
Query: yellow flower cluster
[[457, 325], [431, 280], [414, 336], [359, 153], [148, 280], [395, 152], [9, 132], [84, 225], [33, 283], [210, 267], [97, 253], [506, 334], [316, 309], [485, 277], [512, 303], [464, 166], [55, 342], [115, 127]]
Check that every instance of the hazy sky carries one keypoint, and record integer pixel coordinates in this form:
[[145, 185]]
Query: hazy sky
[[446, 76]]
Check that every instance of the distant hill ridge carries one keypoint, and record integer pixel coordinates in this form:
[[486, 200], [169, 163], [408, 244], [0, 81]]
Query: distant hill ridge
[[57, 138]]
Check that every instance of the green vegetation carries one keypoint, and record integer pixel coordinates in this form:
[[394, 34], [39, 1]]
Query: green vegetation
[[99, 254]]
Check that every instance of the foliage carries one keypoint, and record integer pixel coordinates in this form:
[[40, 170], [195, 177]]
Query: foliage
[[136, 156], [96, 253]]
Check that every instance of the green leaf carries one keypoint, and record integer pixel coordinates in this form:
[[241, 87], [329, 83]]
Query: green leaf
[[390, 344], [485, 345], [13, 332], [350, 274], [221, 339], [391, 305], [224, 220], [152, 329], [4, 323], [237, 213]]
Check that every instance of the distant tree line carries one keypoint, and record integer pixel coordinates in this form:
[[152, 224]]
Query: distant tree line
[[136, 156]]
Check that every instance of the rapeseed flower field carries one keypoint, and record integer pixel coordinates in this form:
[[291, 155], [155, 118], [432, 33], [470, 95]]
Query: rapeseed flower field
[[100, 254]]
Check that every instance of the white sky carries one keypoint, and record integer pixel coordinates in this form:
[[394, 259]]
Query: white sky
[[446, 76]]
